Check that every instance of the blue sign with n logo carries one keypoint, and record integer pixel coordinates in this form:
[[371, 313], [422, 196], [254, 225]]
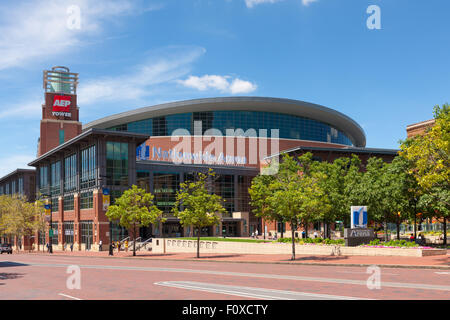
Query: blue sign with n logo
[[359, 216]]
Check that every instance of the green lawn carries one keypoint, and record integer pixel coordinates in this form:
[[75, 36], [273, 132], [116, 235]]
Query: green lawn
[[226, 239]]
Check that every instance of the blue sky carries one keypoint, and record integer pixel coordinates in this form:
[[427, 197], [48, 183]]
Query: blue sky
[[136, 53]]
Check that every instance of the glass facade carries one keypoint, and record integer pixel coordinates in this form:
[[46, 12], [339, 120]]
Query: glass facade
[[224, 187], [290, 126], [143, 180], [88, 166], [20, 187], [86, 233], [54, 205], [43, 179], [13, 187], [55, 178], [68, 204], [87, 200], [117, 163], [70, 173], [68, 232], [165, 187], [55, 233]]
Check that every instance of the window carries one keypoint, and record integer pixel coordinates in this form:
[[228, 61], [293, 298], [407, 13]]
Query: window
[[68, 232], [55, 204], [55, 178], [159, 126], [117, 163], [43, 179], [70, 173], [290, 126], [68, 203], [143, 180], [118, 233], [87, 200], [13, 187], [86, 233], [88, 164], [61, 136], [20, 191], [55, 233], [224, 187], [165, 187]]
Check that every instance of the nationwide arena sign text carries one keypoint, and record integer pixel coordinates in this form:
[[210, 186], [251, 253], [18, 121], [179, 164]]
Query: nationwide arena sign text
[[158, 154]]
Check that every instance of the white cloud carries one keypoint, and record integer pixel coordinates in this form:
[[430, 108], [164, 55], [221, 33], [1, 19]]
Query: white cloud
[[39, 29], [307, 2], [220, 83], [252, 3], [11, 163], [162, 66], [26, 109]]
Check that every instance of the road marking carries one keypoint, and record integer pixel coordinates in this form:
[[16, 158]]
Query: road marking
[[65, 295], [250, 292], [442, 272], [255, 275], [356, 272]]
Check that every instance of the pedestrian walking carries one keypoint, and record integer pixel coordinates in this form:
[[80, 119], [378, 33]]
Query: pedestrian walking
[[256, 233], [48, 247], [100, 245], [118, 246], [126, 246], [71, 247], [315, 234], [303, 234]]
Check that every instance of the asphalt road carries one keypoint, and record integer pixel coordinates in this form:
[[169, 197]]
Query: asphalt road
[[30, 276]]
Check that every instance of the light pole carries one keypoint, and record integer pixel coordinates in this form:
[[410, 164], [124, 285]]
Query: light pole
[[50, 239], [111, 251]]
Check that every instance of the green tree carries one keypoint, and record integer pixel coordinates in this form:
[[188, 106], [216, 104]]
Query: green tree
[[200, 207], [430, 154], [297, 195], [134, 209], [261, 189], [341, 177]]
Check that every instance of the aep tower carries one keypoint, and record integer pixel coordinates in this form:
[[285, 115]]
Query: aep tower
[[60, 113]]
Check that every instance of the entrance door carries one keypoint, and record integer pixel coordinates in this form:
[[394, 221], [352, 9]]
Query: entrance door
[[86, 234]]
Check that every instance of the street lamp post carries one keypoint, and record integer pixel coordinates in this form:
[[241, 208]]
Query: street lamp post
[[50, 239], [111, 251]]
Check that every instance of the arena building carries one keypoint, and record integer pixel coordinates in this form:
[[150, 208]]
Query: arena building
[[158, 147]]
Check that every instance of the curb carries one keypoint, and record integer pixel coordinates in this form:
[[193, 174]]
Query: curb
[[394, 266]]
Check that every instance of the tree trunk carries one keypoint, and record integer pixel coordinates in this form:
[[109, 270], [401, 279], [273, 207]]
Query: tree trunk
[[445, 231], [415, 227], [281, 224], [398, 230], [385, 230], [198, 242], [134, 241], [293, 227], [306, 230]]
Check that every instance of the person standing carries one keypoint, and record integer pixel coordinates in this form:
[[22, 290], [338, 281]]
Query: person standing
[[71, 247], [126, 246], [118, 246], [100, 245]]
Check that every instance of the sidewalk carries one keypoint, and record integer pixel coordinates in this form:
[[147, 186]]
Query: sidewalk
[[440, 262]]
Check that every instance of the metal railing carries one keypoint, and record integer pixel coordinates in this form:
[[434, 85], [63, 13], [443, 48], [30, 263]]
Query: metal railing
[[143, 244]]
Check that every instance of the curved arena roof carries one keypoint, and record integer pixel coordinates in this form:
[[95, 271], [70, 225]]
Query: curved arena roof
[[287, 106]]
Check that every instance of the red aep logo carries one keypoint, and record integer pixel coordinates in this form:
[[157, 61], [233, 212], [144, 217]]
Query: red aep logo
[[61, 103]]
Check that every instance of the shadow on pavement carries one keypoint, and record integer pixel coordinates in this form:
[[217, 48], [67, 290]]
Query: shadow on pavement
[[10, 276], [319, 258], [219, 256], [5, 264]]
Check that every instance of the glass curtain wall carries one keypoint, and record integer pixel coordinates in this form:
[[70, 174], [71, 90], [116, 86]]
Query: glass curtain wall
[[117, 163]]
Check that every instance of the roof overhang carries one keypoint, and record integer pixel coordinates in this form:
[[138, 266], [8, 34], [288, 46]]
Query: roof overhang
[[138, 137], [293, 107]]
